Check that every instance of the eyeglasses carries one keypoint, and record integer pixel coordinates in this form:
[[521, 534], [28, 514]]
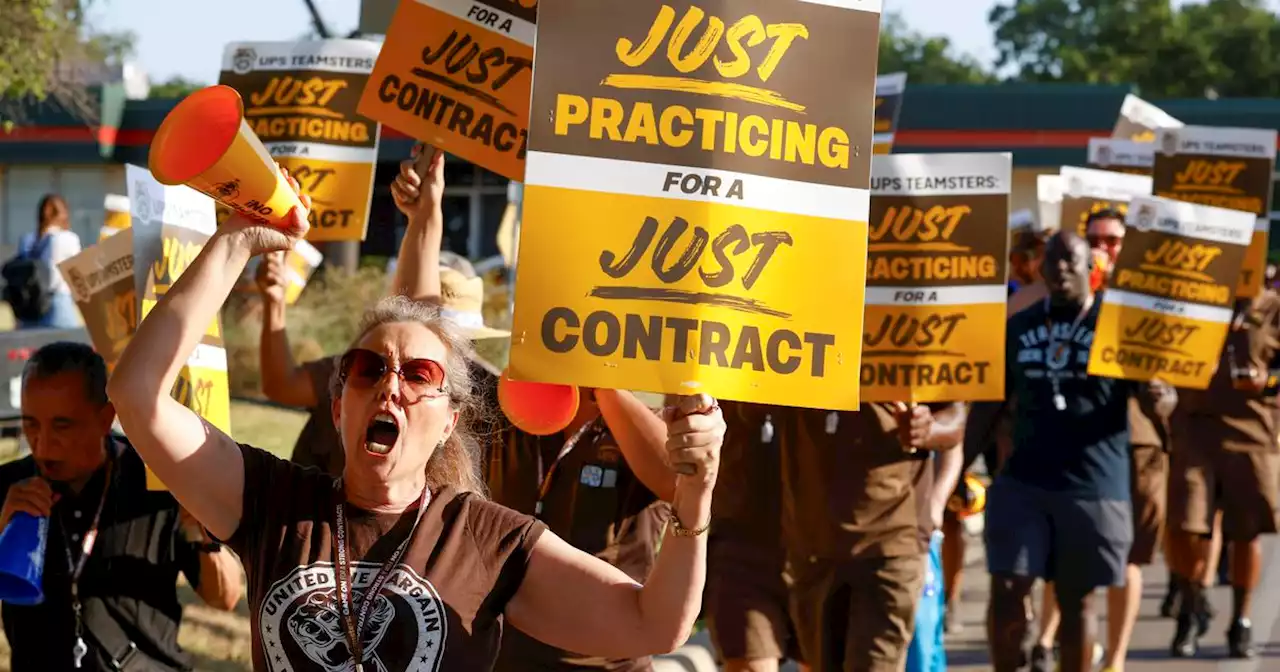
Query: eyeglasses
[[366, 368], [1107, 241]]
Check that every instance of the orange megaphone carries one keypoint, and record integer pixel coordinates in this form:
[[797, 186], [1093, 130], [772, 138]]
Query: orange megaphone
[[540, 409], [206, 144]]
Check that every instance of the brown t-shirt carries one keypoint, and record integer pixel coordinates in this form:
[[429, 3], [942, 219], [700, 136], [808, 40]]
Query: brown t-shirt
[[319, 444], [441, 608], [848, 485], [747, 506], [1223, 416], [593, 501]]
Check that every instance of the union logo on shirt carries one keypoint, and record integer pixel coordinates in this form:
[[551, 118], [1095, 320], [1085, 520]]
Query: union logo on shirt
[[301, 628]]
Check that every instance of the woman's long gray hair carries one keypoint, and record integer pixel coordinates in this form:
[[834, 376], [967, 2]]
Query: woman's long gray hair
[[456, 463]]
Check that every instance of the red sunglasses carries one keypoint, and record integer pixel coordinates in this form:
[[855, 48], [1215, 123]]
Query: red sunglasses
[[420, 377]]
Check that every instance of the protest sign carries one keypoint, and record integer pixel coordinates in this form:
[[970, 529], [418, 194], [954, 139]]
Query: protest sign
[[1140, 121], [1122, 156], [1168, 309], [936, 280], [117, 217], [101, 282], [889, 92], [698, 224], [170, 226], [1086, 191], [300, 99], [1225, 168], [455, 74], [1049, 201]]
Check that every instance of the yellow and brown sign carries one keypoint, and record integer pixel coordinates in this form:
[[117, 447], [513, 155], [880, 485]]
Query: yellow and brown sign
[[300, 99], [936, 278], [890, 90], [455, 74], [101, 282], [1086, 191], [1168, 308], [696, 199], [1225, 168], [170, 226], [1140, 121], [1122, 156]]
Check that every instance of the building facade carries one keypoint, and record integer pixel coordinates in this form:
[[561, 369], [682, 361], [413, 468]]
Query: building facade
[[1044, 126]]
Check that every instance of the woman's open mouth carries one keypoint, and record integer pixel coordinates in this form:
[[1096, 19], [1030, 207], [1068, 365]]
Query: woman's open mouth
[[381, 434]]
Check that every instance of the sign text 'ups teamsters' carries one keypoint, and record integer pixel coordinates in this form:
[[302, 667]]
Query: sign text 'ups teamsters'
[[1224, 168], [696, 198], [455, 74], [1167, 311], [936, 278], [300, 99]]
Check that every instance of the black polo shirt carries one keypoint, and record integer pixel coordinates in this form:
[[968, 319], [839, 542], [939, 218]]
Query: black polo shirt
[[129, 585]]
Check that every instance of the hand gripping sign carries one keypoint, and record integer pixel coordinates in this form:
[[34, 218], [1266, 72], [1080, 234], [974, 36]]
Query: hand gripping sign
[[1225, 168], [1168, 308], [936, 278], [695, 204], [455, 74], [170, 227]]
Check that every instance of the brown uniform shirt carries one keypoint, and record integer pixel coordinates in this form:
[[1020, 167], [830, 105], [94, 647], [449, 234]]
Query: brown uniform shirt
[[1142, 428], [319, 444], [441, 607], [747, 506], [849, 488], [593, 501], [1223, 416]]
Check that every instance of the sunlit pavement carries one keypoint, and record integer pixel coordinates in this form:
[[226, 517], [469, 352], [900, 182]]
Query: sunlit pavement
[[966, 651]]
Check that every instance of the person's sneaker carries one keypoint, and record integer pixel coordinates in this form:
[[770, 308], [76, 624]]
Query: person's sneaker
[[1186, 640], [1042, 659], [1240, 640]]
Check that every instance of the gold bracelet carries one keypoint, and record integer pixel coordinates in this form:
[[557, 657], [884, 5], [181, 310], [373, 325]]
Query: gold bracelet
[[678, 528]]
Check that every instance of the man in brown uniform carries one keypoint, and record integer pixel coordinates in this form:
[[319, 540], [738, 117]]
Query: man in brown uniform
[[599, 485], [1225, 458], [852, 530], [746, 603]]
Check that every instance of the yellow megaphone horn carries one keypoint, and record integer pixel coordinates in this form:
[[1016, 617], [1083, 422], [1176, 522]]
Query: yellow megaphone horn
[[206, 144]]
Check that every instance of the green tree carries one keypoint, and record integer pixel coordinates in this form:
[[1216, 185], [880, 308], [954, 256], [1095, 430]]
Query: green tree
[[925, 59], [46, 47], [174, 87], [1227, 46]]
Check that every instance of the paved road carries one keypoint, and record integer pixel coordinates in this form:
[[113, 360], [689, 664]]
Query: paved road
[[1149, 650]]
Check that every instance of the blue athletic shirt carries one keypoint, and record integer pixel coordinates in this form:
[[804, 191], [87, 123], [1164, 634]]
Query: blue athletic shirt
[[1083, 450]]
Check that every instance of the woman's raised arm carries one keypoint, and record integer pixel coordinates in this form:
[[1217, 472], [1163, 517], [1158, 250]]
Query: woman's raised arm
[[199, 464], [577, 602]]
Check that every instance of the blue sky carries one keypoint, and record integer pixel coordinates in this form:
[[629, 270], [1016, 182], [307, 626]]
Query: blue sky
[[194, 48]]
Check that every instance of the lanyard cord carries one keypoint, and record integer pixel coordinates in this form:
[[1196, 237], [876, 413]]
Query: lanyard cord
[[547, 476]]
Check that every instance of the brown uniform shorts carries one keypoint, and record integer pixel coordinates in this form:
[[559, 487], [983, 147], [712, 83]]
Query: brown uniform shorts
[[1150, 479], [1241, 485], [746, 602], [856, 615]]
